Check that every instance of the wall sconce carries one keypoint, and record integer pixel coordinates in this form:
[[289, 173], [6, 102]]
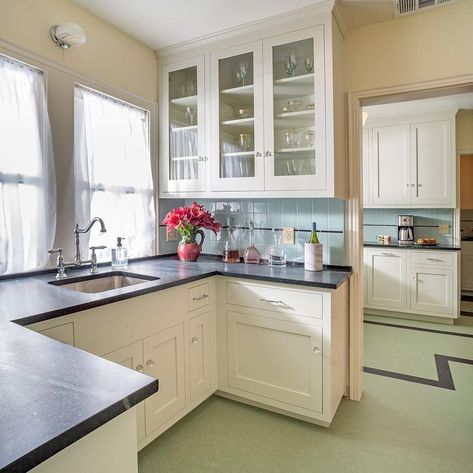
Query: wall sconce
[[68, 35]]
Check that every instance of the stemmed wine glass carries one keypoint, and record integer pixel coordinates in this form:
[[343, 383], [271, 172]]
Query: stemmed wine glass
[[291, 63], [243, 70], [190, 115], [309, 64]]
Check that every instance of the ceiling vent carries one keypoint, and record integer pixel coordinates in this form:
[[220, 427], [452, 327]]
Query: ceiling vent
[[408, 7]]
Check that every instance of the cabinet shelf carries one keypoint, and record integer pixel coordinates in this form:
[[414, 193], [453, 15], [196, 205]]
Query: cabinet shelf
[[185, 158], [300, 149], [296, 86], [243, 90], [301, 79], [299, 113], [184, 128], [243, 154], [189, 101], [238, 121]]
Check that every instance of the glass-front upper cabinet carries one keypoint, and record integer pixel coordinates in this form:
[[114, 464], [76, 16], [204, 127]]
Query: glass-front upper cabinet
[[295, 111], [237, 117], [183, 155]]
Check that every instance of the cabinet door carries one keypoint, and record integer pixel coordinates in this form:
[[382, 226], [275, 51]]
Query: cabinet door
[[467, 266], [131, 357], [183, 152], [164, 359], [62, 333], [432, 163], [295, 111], [431, 290], [386, 279], [390, 171], [199, 355], [237, 119], [275, 359]]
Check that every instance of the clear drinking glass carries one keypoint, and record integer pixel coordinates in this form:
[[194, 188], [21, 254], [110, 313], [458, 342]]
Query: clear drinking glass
[[309, 64], [245, 141], [243, 70], [310, 137], [191, 115], [293, 137]]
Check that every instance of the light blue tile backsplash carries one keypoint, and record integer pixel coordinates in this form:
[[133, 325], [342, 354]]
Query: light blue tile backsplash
[[267, 214], [426, 222]]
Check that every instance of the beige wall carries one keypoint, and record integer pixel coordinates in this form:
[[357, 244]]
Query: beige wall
[[431, 45], [464, 130], [109, 55]]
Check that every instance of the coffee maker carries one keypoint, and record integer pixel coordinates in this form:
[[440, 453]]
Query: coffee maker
[[405, 230]]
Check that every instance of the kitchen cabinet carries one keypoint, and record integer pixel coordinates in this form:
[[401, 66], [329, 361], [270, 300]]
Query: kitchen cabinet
[[283, 347], [421, 282], [164, 360], [467, 265], [183, 116], [131, 357], [386, 279], [275, 108], [62, 333], [412, 163]]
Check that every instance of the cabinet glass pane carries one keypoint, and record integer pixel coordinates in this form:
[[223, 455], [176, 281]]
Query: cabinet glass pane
[[294, 108], [236, 110], [183, 130]]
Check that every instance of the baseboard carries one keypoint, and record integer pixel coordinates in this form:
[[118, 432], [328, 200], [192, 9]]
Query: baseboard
[[407, 316]]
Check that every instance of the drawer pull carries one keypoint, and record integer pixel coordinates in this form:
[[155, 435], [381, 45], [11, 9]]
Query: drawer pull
[[388, 254], [139, 368], [437, 260], [194, 340], [200, 298], [316, 350], [150, 363], [271, 301]]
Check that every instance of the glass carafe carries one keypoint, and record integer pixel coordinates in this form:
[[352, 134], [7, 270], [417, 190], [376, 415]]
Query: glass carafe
[[277, 255], [231, 254], [251, 254]]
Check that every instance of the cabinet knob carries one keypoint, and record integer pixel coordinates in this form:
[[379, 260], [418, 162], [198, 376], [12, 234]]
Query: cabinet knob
[[139, 368], [268, 153], [316, 350], [258, 154], [150, 363], [194, 340]]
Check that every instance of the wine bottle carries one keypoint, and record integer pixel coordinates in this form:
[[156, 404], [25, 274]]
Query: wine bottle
[[314, 239]]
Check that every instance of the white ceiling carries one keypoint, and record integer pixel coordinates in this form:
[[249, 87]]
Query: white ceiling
[[161, 23]]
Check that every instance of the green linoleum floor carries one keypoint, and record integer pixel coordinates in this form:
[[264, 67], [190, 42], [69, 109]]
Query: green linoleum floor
[[398, 426]]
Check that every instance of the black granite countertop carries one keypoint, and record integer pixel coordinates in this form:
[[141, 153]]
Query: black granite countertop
[[412, 247], [52, 394]]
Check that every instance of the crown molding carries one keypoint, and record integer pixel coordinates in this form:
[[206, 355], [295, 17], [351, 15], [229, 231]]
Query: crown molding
[[321, 7], [337, 14]]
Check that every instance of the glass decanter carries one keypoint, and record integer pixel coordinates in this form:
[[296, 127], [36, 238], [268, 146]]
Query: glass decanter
[[251, 254], [231, 254], [277, 256]]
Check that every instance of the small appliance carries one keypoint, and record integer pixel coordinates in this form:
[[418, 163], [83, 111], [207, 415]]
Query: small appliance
[[405, 230]]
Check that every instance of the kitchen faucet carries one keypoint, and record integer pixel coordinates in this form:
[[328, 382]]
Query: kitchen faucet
[[78, 262]]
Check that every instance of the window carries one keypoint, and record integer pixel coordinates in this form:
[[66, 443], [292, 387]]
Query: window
[[112, 170], [27, 185]]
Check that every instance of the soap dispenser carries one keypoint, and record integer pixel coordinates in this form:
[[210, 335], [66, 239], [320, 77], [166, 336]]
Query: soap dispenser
[[119, 255]]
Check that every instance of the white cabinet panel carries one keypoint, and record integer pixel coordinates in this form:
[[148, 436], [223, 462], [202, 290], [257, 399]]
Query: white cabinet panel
[[386, 279], [432, 163], [276, 359], [62, 333], [431, 290], [131, 357], [467, 265], [199, 355], [366, 167], [164, 359], [390, 173]]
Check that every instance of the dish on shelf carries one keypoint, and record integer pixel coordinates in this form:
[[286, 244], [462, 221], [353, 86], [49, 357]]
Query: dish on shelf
[[244, 113], [310, 106], [293, 105]]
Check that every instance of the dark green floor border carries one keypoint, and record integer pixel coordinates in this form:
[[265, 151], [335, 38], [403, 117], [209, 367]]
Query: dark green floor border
[[442, 362]]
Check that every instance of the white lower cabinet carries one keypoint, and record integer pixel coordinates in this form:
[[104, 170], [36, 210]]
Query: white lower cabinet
[[276, 359], [164, 360], [131, 357], [421, 282], [277, 353]]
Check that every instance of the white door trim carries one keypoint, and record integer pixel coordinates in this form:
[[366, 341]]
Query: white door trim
[[355, 200]]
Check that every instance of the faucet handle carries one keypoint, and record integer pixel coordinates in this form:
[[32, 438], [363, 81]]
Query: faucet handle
[[59, 251], [101, 247]]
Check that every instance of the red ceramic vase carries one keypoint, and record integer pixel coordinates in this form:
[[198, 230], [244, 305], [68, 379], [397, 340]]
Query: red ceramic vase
[[190, 251]]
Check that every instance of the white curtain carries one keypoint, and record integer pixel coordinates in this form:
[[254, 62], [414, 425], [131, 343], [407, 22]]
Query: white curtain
[[112, 173], [27, 182]]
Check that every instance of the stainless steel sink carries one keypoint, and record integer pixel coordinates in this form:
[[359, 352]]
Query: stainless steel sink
[[103, 282]]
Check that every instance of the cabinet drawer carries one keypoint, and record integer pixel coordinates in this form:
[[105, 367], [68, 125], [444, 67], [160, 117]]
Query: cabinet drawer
[[432, 258], [276, 299], [198, 296]]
